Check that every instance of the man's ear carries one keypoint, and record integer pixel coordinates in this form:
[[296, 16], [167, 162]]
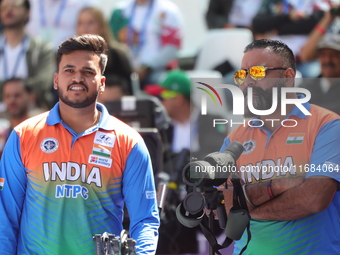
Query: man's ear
[[55, 81], [102, 86], [289, 77], [32, 98]]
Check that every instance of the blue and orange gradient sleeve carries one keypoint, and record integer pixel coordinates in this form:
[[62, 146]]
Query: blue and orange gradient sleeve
[[225, 144], [325, 158], [140, 198], [12, 194]]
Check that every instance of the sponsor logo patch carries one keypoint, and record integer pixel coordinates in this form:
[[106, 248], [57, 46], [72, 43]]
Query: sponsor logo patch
[[105, 139], [150, 194], [100, 161]]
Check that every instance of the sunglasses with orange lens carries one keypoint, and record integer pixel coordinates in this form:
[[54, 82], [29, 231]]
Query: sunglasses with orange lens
[[255, 72]]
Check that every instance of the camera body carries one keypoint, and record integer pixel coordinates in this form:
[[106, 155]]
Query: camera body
[[201, 178]]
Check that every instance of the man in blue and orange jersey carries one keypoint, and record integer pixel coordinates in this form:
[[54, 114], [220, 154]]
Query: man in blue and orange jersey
[[290, 163], [67, 173]]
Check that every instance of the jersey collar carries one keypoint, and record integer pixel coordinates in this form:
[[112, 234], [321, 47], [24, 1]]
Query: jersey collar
[[105, 121]]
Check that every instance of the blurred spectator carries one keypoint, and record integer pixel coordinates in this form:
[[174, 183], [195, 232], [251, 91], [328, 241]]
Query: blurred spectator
[[18, 98], [231, 13], [55, 20], [217, 13], [115, 89], [152, 30], [242, 13], [192, 134], [325, 90], [189, 126], [24, 56], [290, 21], [330, 23], [91, 21], [329, 56]]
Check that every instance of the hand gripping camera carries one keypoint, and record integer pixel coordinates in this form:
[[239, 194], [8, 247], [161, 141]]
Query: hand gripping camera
[[202, 178], [109, 244]]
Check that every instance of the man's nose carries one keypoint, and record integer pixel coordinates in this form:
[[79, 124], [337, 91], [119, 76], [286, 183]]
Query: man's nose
[[248, 82], [78, 76]]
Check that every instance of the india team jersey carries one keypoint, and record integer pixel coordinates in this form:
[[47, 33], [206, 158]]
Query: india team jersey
[[60, 188], [310, 148]]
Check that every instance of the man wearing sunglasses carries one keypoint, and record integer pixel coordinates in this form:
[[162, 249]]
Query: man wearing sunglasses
[[290, 172]]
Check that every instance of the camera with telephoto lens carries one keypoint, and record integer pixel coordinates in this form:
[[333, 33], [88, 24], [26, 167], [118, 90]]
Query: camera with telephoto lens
[[201, 178], [215, 169]]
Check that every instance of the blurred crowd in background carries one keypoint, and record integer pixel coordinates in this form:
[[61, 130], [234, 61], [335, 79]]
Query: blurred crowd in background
[[155, 48]]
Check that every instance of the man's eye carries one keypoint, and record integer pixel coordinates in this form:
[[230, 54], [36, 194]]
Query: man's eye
[[69, 70], [88, 72]]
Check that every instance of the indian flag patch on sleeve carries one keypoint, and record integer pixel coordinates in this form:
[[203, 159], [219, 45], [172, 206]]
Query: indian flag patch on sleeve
[[295, 138], [2, 182]]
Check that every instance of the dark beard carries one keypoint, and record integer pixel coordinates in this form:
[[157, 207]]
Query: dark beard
[[17, 24], [263, 100], [79, 104], [21, 113]]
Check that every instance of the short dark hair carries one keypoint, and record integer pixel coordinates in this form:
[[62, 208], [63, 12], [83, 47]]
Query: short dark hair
[[113, 80], [28, 88], [278, 47], [27, 5], [87, 42]]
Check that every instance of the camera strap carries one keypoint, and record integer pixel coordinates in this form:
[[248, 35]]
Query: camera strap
[[211, 237], [239, 204]]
